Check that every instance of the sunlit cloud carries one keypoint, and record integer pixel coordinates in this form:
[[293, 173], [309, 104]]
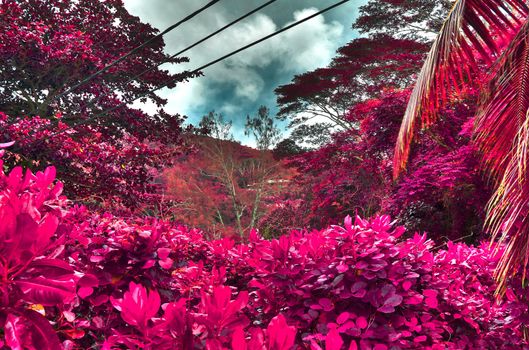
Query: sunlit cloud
[[237, 86]]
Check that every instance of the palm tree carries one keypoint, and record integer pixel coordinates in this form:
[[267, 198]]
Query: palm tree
[[493, 34]]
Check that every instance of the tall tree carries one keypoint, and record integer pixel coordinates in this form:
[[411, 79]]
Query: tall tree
[[46, 47], [370, 77], [287, 148], [224, 187], [317, 102], [396, 37], [214, 125], [411, 19], [263, 129]]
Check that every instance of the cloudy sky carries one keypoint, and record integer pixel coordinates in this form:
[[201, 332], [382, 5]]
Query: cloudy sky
[[238, 86]]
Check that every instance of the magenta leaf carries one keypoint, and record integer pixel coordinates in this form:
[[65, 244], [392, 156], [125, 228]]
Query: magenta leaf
[[7, 144], [358, 289], [414, 299], [221, 312], [47, 291], [361, 322], [47, 227], [53, 267], [326, 304], [281, 336], [406, 285], [30, 331], [431, 298], [333, 340], [257, 339], [175, 316], [137, 306], [343, 317], [238, 340], [390, 304], [431, 302]]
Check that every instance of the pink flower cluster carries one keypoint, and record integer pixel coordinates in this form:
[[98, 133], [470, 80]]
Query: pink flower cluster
[[74, 279]]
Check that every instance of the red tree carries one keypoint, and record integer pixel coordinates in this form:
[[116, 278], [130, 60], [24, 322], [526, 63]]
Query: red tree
[[368, 81], [46, 48]]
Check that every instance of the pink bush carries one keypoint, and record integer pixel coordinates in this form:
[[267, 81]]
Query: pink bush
[[111, 282], [121, 172], [31, 271]]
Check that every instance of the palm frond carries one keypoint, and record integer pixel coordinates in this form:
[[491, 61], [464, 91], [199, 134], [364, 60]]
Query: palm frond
[[502, 133], [470, 27], [507, 215], [501, 122]]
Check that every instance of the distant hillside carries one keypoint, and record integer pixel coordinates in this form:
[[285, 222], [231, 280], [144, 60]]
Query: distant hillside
[[223, 187]]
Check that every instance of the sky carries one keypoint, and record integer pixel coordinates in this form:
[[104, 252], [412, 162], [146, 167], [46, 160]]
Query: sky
[[238, 86]]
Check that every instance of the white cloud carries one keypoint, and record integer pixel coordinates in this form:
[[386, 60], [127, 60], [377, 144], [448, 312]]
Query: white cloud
[[230, 109], [310, 45], [246, 82], [186, 97], [303, 48]]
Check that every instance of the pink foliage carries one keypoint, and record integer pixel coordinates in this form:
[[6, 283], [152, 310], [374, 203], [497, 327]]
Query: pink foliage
[[121, 172], [48, 48], [137, 306], [31, 239], [101, 280]]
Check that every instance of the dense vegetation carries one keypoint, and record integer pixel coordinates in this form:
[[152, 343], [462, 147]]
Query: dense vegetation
[[104, 281], [174, 238]]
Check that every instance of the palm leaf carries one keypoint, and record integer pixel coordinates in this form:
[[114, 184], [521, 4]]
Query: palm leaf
[[501, 121], [502, 133], [470, 27]]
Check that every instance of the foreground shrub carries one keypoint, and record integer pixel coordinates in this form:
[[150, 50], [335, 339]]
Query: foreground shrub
[[76, 279], [32, 276]]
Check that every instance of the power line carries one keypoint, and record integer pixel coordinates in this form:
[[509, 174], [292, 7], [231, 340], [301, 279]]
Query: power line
[[136, 49], [198, 70], [211, 35], [218, 31], [271, 35]]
